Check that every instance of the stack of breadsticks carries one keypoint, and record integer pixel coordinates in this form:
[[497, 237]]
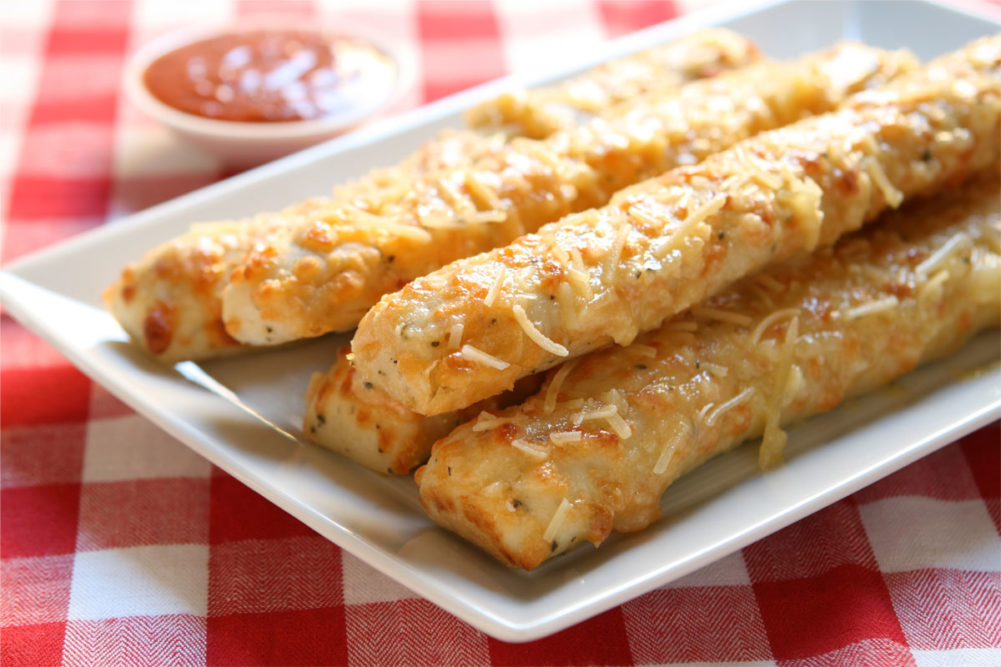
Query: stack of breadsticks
[[671, 261]]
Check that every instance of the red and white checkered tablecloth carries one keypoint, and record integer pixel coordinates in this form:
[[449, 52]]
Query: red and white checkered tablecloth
[[119, 545]]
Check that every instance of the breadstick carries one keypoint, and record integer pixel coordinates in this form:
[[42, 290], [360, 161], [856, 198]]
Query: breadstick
[[169, 305], [472, 328], [792, 342], [352, 417], [539, 113], [324, 275], [168, 301]]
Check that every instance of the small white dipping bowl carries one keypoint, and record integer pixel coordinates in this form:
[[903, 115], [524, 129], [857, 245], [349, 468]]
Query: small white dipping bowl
[[246, 144]]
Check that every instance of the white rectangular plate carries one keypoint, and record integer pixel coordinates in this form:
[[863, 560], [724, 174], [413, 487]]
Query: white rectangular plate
[[244, 414]]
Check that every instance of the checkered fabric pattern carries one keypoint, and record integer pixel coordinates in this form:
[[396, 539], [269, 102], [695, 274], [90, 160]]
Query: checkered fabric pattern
[[120, 546]]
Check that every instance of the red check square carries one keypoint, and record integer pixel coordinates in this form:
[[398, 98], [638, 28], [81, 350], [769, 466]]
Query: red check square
[[982, 450], [41, 454], [944, 475], [237, 513], [822, 613], [454, 36], [601, 640], [443, 20], [47, 197], [272, 8], [831, 538], [143, 512], [621, 18], [38, 520], [256, 576], [33, 644], [44, 395], [306, 637]]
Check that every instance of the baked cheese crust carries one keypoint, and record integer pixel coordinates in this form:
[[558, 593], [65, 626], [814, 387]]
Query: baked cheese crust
[[324, 275], [470, 329], [595, 449]]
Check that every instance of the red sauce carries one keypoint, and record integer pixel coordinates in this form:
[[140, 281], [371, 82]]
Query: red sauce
[[272, 76]]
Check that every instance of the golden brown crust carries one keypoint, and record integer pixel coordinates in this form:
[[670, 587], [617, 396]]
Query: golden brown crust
[[605, 275], [595, 449], [169, 300], [354, 418], [538, 113], [322, 276]]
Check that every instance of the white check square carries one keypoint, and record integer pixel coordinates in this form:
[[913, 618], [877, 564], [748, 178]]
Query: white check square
[[363, 585], [140, 581], [729, 571], [912, 533], [132, 447]]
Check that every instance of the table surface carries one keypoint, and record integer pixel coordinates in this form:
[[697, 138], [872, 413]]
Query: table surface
[[119, 545]]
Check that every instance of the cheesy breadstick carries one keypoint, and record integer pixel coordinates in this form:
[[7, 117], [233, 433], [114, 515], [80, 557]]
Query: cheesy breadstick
[[595, 449], [168, 300], [324, 275], [472, 328], [354, 418], [539, 113], [171, 307]]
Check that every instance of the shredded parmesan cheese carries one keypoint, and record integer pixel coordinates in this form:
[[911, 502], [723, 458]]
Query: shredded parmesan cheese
[[572, 404], [715, 369], [934, 284], [485, 194], [756, 168], [616, 398], [568, 308], [537, 337], [601, 413], [722, 315], [533, 450], [773, 439], [455, 335], [406, 231], [892, 195], [560, 254], [939, 256], [477, 355], [564, 437], [619, 425], [644, 350], [723, 407], [877, 306], [770, 283], [683, 325], [615, 253], [678, 429], [709, 208], [553, 390], [578, 277], [557, 521], [639, 211], [771, 319], [488, 422], [494, 290]]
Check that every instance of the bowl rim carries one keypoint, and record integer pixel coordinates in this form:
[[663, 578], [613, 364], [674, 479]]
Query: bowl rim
[[139, 95]]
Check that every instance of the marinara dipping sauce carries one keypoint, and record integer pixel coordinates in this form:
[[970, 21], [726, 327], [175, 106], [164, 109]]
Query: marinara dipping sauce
[[266, 76]]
